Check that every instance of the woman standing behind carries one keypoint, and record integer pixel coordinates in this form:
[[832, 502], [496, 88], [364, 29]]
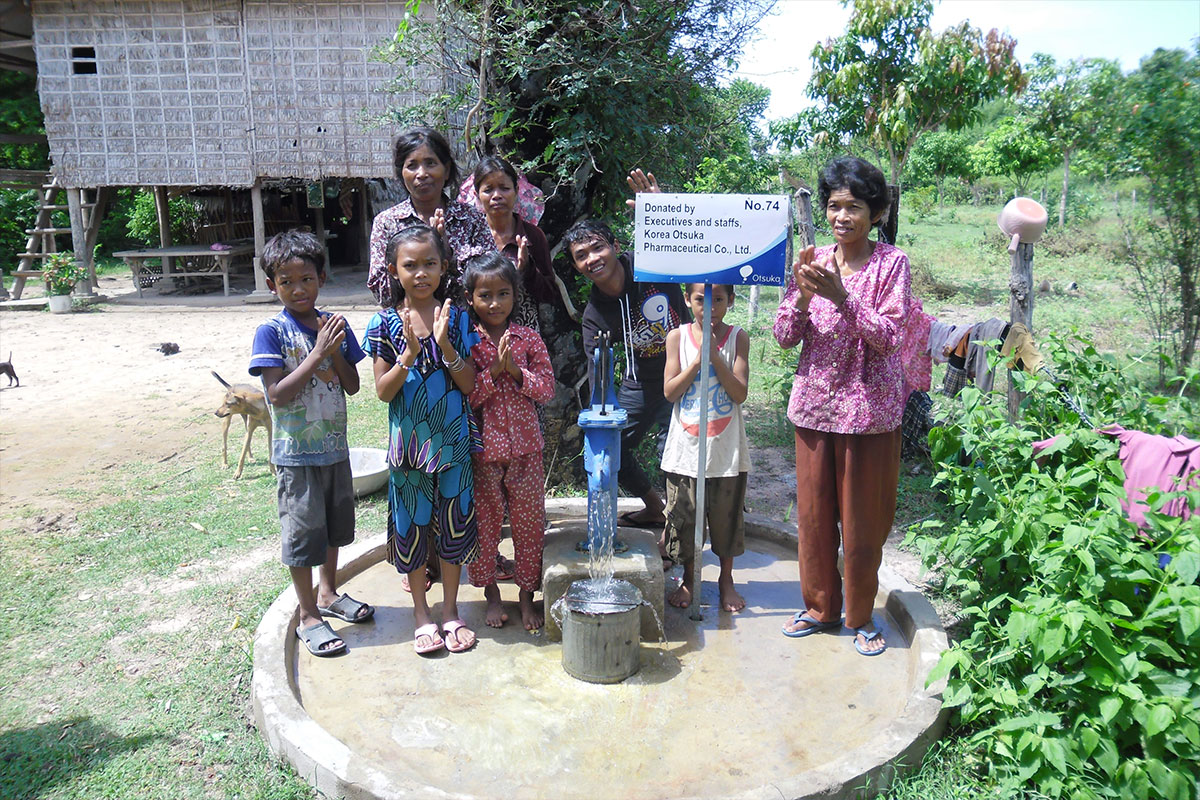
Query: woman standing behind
[[426, 165], [522, 241], [847, 304]]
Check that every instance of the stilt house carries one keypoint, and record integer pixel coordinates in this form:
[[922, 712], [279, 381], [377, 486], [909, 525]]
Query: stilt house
[[231, 95]]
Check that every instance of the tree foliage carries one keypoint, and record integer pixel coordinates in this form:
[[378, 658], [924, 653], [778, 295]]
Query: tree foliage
[[939, 155], [578, 94], [890, 77], [1015, 151], [1161, 138], [740, 159], [20, 113], [1071, 105]]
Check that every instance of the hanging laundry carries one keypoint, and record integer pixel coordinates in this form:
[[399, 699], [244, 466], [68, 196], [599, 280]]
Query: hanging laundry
[[1166, 463], [977, 352], [1019, 344], [943, 338]]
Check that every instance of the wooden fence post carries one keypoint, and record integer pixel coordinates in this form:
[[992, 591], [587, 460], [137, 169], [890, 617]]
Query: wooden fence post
[[1020, 309], [890, 225], [808, 232], [162, 211]]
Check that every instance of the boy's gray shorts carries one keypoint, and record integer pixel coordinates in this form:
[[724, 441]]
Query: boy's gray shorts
[[725, 522], [316, 512]]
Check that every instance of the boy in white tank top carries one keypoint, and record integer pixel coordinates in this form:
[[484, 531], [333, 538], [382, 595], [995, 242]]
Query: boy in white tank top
[[727, 454]]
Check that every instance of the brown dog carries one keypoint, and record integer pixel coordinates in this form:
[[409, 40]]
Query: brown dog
[[244, 399]]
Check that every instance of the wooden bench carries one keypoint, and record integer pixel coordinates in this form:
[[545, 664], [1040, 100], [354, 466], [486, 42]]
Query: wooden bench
[[136, 260]]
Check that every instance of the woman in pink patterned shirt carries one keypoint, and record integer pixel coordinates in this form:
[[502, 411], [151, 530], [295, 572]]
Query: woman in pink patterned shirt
[[846, 304]]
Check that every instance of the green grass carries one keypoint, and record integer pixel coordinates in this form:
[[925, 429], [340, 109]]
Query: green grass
[[949, 771], [128, 632]]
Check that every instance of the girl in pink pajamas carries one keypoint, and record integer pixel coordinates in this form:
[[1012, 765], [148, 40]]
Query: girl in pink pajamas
[[513, 374]]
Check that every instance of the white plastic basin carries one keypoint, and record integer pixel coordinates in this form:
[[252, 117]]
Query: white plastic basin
[[369, 467]]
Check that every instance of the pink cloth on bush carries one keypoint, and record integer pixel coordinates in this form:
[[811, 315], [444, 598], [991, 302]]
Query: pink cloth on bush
[[1150, 461], [1156, 462]]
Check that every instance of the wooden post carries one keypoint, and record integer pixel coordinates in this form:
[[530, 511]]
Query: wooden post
[[808, 231], [163, 212], [92, 233], [230, 230], [79, 239], [364, 225], [261, 293], [888, 232], [1020, 308], [319, 218]]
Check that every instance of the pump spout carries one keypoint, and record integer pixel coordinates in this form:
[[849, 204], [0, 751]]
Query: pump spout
[[602, 494]]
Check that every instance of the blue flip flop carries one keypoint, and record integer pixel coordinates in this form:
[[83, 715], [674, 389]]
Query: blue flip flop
[[869, 636], [814, 626]]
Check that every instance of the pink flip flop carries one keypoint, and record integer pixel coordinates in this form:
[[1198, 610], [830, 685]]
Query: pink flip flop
[[406, 586], [450, 630], [436, 641]]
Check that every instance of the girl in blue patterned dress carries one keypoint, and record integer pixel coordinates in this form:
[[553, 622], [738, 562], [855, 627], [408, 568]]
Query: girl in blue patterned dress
[[423, 371]]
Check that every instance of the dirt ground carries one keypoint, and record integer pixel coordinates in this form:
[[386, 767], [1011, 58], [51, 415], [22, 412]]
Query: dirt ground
[[96, 391]]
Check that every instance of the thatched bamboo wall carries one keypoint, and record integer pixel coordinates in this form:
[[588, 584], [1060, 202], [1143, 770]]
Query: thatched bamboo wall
[[214, 92]]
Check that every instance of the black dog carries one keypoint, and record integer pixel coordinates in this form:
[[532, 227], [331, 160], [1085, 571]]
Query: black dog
[[6, 368]]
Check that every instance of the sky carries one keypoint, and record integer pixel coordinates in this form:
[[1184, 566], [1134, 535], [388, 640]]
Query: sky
[[1126, 30]]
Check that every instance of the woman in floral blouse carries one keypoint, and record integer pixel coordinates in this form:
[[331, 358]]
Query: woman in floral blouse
[[847, 305], [424, 162]]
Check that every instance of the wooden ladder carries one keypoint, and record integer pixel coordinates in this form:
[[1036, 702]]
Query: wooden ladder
[[43, 236]]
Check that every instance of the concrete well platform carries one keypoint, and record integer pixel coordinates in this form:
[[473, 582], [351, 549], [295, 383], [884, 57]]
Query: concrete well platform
[[726, 707]]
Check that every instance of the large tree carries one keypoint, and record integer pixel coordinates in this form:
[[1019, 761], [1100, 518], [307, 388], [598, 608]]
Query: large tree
[[1069, 104], [579, 93], [892, 78], [1161, 137]]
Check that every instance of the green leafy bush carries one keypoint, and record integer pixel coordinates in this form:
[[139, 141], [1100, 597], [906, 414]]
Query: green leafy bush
[[1079, 669], [18, 210], [921, 202], [143, 219]]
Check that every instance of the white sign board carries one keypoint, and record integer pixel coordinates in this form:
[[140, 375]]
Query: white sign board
[[711, 238]]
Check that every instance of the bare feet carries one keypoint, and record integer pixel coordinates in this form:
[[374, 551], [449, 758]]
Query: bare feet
[[495, 611], [531, 614], [730, 599], [681, 597]]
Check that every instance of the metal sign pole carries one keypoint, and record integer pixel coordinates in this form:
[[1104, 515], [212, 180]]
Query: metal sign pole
[[702, 455]]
